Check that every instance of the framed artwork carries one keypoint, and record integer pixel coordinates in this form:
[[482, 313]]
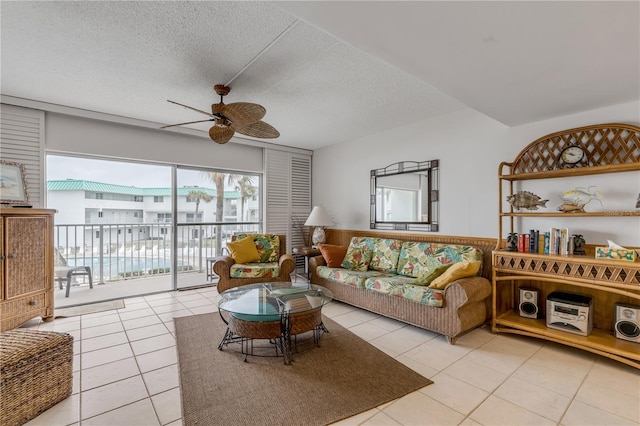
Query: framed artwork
[[13, 183]]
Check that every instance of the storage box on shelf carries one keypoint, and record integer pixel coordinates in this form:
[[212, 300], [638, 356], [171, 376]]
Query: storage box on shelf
[[609, 148]]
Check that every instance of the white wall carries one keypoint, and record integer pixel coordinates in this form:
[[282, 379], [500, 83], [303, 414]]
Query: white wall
[[66, 133], [470, 146]]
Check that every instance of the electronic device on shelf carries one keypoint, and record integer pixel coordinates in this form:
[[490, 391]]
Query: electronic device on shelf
[[627, 322], [529, 305], [570, 312]]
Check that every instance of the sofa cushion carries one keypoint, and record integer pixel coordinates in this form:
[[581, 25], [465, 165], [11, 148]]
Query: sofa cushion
[[421, 258], [333, 255], [385, 254], [346, 276], [358, 255], [455, 272], [422, 294], [402, 286], [268, 246], [254, 270], [243, 250], [389, 284]]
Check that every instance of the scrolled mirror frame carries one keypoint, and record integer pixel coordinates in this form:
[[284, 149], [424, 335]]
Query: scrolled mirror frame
[[403, 167]]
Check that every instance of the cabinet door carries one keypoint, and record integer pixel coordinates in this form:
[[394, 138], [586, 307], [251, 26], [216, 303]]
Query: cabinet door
[[2, 262], [25, 261]]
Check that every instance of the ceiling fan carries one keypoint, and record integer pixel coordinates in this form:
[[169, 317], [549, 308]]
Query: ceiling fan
[[241, 117]]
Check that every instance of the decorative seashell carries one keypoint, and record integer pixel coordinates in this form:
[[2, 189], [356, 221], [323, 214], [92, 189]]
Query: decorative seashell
[[526, 200]]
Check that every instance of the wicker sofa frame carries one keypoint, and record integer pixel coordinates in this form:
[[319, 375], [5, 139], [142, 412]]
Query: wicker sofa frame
[[222, 268], [466, 301]]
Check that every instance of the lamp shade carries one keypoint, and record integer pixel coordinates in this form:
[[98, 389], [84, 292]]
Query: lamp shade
[[318, 217]]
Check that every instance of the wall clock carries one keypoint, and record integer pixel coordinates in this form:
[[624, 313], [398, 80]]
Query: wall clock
[[571, 156]]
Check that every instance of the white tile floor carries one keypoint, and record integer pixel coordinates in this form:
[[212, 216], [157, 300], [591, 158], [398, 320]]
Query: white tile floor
[[125, 372]]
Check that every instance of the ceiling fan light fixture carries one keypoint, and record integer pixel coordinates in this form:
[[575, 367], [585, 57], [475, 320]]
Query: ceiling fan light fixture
[[216, 109], [241, 117], [222, 131]]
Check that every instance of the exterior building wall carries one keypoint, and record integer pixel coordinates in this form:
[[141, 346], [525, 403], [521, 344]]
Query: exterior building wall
[[88, 220]]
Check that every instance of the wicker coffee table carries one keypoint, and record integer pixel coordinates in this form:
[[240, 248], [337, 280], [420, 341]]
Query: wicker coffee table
[[277, 312]]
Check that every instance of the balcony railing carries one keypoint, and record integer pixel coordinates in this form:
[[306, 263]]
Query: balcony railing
[[120, 251]]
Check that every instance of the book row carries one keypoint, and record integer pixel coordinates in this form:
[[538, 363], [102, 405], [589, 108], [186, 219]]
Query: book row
[[555, 241]]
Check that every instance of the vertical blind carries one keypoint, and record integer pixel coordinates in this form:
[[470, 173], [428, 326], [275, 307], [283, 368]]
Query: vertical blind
[[288, 193], [22, 141]]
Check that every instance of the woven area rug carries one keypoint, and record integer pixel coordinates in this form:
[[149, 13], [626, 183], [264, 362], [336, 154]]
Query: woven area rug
[[89, 309], [341, 378]]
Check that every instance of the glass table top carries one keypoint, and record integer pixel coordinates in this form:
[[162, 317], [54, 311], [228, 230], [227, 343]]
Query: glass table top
[[268, 301]]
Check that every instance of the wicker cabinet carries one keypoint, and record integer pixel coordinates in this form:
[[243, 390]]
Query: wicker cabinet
[[26, 256], [612, 148]]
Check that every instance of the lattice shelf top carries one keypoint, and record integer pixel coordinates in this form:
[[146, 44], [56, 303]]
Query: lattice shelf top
[[570, 267], [612, 147]]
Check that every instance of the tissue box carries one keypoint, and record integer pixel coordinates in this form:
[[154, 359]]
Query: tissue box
[[615, 253]]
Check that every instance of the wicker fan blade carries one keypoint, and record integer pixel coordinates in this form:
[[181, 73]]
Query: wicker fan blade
[[243, 112], [221, 133], [259, 129], [188, 122], [192, 108]]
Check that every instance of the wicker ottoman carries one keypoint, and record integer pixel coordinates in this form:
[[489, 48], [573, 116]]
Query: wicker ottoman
[[35, 373]]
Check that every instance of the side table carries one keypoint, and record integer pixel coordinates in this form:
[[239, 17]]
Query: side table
[[210, 274], [307, 252]]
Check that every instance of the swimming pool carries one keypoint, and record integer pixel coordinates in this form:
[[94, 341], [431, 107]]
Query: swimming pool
[[114, 268]]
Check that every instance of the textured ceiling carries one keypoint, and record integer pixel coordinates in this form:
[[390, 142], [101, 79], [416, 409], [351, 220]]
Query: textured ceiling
[[327, 72]]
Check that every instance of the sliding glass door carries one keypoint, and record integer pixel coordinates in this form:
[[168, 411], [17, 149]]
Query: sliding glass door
[[212, 205], [116, 218], [139, 230]]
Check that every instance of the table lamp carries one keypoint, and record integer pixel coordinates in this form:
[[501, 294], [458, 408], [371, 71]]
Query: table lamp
[[319, 218]]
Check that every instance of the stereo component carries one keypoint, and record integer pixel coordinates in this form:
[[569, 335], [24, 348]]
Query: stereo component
[[529, 305], [627, 322], [570, 312]]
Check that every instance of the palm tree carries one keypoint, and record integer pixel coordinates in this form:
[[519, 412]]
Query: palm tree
[[244, 185], [198, 195], [218, 181]]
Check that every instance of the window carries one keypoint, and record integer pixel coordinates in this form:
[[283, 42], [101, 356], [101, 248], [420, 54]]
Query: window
[[191, 218], [195, 233], [164, 217], [99, 196], [119, 231], [128, 230], [97, 234], [136, 214], [138, 198], [99, 214], [158, 199], [163, 231]]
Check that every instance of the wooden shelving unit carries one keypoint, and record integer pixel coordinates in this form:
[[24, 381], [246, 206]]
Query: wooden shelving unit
[[611, 148]]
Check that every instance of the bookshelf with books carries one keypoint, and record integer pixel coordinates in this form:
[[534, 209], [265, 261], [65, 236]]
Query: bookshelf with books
[[544, 259]]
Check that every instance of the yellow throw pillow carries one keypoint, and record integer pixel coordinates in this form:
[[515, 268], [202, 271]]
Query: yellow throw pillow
[[244, 250], [456, 271]]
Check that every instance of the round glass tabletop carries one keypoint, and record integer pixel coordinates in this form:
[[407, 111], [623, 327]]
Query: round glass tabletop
[[268, 301]]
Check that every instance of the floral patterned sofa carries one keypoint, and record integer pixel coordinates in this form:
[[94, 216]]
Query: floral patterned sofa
[[274, 265], [399, 279]]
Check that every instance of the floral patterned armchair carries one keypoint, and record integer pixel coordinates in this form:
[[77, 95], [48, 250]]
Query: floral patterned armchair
[[274, 265]]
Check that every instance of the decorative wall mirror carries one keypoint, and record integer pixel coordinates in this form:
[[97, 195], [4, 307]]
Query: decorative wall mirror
[[404, 196]]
